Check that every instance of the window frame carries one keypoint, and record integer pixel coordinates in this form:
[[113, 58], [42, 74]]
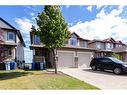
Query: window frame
[[73, 41], [85, 44], [8, 37], [35, 40]]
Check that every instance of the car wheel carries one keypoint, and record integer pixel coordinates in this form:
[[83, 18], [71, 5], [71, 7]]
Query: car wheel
[[94, 67], [117, 71]]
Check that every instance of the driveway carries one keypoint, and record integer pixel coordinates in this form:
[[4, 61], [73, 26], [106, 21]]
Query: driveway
[[103, 80]]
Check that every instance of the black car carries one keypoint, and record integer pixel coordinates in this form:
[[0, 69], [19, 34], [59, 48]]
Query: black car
[[108, 63]]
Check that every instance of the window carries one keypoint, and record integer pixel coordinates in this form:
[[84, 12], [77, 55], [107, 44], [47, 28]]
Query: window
[[98, 45], [85, 44], [109, 46], [11, 36], [104, 60], [37, 40], [73, 41]]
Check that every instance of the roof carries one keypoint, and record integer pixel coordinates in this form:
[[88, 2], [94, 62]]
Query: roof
[[108, 40], [120, 49], [79, 36], [14, 29]]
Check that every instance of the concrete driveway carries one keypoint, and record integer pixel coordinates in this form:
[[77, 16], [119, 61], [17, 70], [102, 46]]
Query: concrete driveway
[[101, 79]]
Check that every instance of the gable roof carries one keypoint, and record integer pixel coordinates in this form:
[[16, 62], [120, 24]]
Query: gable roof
[[108, 40], [12, 28], [120, 49], [79, 36]]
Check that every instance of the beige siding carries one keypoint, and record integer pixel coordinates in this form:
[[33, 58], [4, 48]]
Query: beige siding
[[92, 45]]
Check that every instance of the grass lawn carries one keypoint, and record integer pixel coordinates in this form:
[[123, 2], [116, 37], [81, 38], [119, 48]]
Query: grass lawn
[[20, 79]]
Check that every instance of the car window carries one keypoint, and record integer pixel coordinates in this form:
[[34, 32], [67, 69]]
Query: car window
[[104, 60], [116, 60]]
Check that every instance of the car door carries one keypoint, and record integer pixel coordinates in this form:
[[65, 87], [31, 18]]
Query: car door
[[100, 63], [107, 63]]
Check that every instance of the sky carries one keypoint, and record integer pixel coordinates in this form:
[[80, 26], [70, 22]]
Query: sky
[[89, 22]]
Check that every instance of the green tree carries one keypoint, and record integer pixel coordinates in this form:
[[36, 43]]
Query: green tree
[[52, 29]]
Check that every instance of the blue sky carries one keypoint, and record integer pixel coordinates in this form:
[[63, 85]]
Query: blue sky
[[90, 22]]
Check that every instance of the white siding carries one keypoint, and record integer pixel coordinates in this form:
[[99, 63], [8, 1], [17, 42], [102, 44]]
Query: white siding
[[28, 55], [20, 52]]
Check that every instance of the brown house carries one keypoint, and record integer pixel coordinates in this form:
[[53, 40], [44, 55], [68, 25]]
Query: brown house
[[11, 41], [122, 52], [75, 52], [104, 47]]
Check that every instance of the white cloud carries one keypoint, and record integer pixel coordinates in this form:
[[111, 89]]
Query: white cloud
[[32, 14], [104, 26], [67, 6], [99, 6], [89, 8], [24, 24]]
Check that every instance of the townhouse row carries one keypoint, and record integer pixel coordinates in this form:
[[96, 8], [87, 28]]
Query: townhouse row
[[77, 52]]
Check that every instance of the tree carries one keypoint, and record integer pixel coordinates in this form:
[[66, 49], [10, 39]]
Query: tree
[[52, 29], [3, 49], [3, 56]]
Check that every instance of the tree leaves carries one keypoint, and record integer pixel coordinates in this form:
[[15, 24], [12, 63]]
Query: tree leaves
[[52, 27]]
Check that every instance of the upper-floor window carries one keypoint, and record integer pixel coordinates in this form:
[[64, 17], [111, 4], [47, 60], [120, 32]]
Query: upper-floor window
[[11, 36], [73, 41], [98, 45], [37, 40], [109, 45], [118, 45], [85, 44]]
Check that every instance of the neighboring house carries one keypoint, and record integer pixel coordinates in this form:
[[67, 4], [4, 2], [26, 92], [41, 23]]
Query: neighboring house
[[11, 39], [122, 51], [104, 47], [75, 52]]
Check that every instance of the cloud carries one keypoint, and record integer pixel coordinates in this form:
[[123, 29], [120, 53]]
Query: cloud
[[89, 8], [99, 7], [67, 6], [104, 26], [30, 8], [32, 14], [25, 25]]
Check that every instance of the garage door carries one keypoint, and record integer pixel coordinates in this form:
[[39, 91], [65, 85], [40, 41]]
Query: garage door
[[65, 59], [84, 59]]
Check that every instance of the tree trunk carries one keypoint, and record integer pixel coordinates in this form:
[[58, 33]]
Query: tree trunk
[[54, 60]]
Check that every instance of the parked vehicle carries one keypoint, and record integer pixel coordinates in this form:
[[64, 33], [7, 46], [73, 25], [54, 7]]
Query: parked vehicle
[[108, 63]]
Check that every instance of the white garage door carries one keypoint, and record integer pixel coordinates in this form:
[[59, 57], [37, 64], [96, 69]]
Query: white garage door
[[84, 59], [65, 59]]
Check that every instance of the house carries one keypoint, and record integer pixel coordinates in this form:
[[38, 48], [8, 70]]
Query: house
[[122, 52], [75, 52], [11, 41], [104, 47]]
